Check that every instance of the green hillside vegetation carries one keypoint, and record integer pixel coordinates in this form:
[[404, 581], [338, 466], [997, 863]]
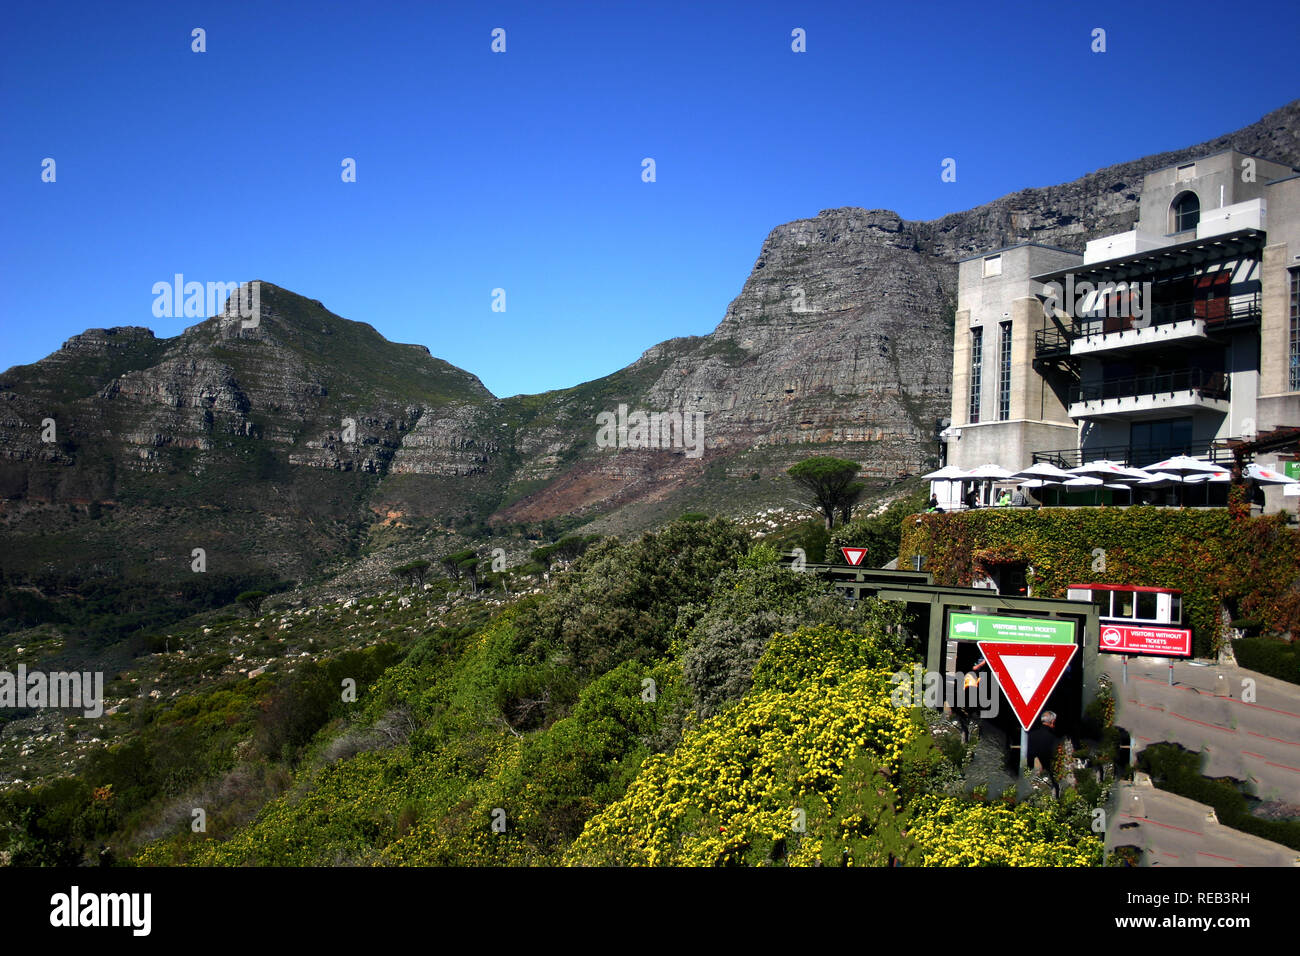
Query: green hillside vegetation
[[676, 699]]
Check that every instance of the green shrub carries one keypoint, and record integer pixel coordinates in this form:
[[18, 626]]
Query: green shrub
[[1211, 558], [727, 639], [1179, 771], [1275, 658], [879, 534]]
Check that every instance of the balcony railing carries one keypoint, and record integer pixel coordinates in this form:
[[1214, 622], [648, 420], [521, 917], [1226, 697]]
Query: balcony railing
[[1217, 313], [1139, 456], [1212, 385], [1220, 313], [1051, 342]]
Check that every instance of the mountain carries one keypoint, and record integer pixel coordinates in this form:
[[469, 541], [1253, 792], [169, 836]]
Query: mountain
[[858, 366], [278, 447]]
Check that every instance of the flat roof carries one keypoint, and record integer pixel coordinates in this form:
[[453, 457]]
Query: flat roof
[[1121, 587], [1018, 245], [1220, 152], [1242, 237]]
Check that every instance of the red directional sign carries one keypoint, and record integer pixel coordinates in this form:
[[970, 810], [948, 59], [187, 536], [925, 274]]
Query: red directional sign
[[1124, 639], [854, 555], [1027, 673]]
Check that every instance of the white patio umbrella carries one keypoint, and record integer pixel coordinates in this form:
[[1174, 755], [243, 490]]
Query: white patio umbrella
[[988, 472], [1183, 465], [946, 473], [1117, 477], [1266, 476], [1208, 478], [1110, 470], [1159, 479], [1080, 482], [1043, 471]]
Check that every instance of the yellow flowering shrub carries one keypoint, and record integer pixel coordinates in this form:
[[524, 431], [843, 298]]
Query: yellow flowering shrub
[[804, 770], [953, 832], [734, 783]]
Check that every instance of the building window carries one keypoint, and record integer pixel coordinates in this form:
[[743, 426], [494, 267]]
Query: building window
[[1295, 331], [992, 266], [976, 369], [1152, 441], [1184, 212], [1004, 372]]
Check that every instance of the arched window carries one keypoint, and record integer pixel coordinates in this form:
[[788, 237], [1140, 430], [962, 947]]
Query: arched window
[[1184, 212]]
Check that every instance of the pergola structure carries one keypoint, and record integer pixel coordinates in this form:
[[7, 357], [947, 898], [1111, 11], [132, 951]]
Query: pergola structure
[[1244, 450]]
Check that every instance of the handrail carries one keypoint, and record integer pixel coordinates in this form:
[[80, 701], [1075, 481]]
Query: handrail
[[1206, 384], [1137, 455], [1215, 313]]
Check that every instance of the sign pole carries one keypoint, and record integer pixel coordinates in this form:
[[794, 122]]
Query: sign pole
[[1126, 670], [1024, 750]]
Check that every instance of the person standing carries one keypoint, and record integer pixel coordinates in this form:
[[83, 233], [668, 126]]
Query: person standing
[[1043, 741]]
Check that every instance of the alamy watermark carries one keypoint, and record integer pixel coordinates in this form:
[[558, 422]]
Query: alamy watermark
[[660, 430], [82, 691], [195, 300], [1084, 300], [128, 910], [973, 691]]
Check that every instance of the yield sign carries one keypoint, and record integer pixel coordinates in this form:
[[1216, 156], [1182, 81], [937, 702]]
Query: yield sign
[[854, 555], [1027, 673]]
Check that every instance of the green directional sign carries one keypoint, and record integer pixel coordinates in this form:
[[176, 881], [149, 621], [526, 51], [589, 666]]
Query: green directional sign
[[1291, 469], [1011, 630]]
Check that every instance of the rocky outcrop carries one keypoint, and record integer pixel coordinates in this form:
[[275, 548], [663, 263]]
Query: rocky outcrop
[[839, 342]]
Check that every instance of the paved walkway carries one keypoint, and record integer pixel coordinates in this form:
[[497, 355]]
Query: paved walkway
[[1256, 741], [1176, 831]]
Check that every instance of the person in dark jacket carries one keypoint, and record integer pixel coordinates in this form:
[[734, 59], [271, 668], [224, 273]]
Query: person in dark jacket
[[1043, 741]]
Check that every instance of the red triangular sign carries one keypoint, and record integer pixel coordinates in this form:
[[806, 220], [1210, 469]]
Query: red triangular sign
[[1027, 673], [854, 555]]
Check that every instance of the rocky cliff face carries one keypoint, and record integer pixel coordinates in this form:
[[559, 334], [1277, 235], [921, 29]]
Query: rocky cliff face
[[838, 343]]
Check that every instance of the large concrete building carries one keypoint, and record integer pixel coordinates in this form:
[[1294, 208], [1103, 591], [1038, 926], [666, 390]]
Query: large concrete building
[[1166, 339]]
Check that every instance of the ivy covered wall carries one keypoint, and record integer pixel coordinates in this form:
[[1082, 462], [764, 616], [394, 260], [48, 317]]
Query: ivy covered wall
[[1250, 564]]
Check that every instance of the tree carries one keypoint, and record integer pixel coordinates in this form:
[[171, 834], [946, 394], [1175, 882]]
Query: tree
[[252, 600], [450, 562], [418, 569], [470, 568], [880, 534], [851, 495], [567, 549], [831, 483], [459, 563]]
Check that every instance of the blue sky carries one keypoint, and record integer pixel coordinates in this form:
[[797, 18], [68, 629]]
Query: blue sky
[[522, 170]]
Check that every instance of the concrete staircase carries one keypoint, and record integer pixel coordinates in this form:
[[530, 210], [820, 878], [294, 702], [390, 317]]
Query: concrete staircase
[[1174, 831], [1246, 725]]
